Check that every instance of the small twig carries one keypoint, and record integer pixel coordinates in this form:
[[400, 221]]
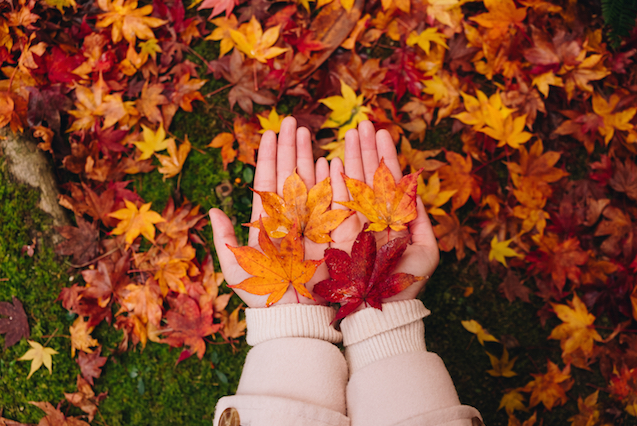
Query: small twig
[[221, 89], [47, 342], [50, 336], [108, 253]]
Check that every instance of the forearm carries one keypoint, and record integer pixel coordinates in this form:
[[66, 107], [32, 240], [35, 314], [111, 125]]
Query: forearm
[[294, 374], [388, 347]]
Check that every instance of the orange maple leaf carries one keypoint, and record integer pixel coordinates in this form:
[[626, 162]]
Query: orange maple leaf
[[550, 388], [308, 210], [457, 176], [251, 40], [559, 259], [225, 142], [275, 270], [502, 14], [388, 204], [577, 332], [134, 222]]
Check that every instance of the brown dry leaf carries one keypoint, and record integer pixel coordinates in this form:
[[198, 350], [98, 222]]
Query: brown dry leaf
[[457, 176], [625, 178], [85, 398], [451, 234], [54, 417], [619, 228], [233, 328]]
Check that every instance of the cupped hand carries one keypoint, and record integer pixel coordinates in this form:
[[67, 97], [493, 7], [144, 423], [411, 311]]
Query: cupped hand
[[364, 148], [276, 160]]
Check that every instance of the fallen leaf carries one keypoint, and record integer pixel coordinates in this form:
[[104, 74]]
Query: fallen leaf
[[577, 331], [134, 222], [473, 326], [85, 398], [154, 141], [91, 364], [500, 250], [502, 367], [550, 388], [251, 40], [16, 324], [172, 163], [54, 417], [127, 20], [512, 401], [38, 355], [233, 328], [81, 337], [365, 276], [347, 110]]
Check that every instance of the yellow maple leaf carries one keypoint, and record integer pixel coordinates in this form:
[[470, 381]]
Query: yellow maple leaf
[[81, 336], [271, 122], [222, 33], [134, 222], [172, 163], [589, 412], [542, 82], [38, 355], [612, 121], [500, 250], [483, 335], [347, 110], [550, 388], [431, 195], [504, 128], [425, 38], [577, 332], [127, 20], [512, 401], [153, 142], [502, 367], [251, 40], [335, 149]]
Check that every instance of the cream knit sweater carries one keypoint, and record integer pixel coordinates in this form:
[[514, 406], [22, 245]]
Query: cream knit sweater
[[295, 375]]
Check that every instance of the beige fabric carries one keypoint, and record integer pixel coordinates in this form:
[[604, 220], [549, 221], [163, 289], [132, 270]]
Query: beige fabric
[[294, 376], [291, 320], [371, 335]]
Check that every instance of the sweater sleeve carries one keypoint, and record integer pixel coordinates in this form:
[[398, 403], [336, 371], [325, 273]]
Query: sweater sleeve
[[388, 347], [294, 374]]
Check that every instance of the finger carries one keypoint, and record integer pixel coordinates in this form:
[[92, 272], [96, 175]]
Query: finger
[[264, 178], [322, 169], [339, 189], [421, 231], [369, 152], [286, 152], [353, 160], [223, 236], [387, 151], [305, 157]]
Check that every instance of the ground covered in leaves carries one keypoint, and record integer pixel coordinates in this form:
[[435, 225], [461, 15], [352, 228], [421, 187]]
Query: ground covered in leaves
[[518, 116]]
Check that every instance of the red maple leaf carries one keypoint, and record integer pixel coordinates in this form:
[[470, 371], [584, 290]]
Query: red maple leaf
[[364, 277], [91, 364], [188, 325]]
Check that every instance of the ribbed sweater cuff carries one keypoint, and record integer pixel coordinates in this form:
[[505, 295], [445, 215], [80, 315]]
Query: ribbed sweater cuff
[[291, 320], [371, 335]]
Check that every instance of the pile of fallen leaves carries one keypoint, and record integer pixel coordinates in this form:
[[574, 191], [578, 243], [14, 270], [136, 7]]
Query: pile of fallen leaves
[[529, 89]]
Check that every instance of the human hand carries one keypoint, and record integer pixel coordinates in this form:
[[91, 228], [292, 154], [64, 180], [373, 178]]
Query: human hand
[[276, 161], [364, 148]]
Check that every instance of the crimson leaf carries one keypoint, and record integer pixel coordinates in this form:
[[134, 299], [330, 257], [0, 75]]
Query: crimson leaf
[[16, 325]]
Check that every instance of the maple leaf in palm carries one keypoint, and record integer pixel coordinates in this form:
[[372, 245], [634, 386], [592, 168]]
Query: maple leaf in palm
[[172, 163], [127, 20], [135, 221], [612, 120], [38, 355], [502, 367], [577, 332], [550, 388], [365, 275], [473, 326], [305, 210], [347, 110], [251, 40], [153, 142], [388, 204], [274, 270]]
